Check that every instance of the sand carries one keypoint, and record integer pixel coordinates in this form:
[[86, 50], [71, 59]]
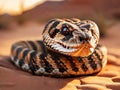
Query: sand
[[12, 78]]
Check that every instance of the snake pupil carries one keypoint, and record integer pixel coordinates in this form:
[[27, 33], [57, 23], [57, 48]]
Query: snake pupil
[[65, 31]]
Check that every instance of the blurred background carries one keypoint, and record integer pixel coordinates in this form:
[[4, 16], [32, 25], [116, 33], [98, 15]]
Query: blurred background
[[25, 19]]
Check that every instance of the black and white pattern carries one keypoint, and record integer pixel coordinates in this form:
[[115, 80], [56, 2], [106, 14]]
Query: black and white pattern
[[69, 48]]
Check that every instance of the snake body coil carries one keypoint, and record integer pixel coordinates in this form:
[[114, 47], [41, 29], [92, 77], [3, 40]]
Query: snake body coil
[[69, 48]]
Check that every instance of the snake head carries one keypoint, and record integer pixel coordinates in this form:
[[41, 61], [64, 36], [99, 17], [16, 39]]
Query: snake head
[[71, 36]]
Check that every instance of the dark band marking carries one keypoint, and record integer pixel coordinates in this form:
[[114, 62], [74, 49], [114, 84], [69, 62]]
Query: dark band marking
[[51, 28], [54, 25], [13, 48], [98, 54], [75, 19], [26, 43], [92, 63], [98, 57], [83, 66], [48, 24], [72, 20], [43, 47], [32, 63], [52, 35], [81, 23], [32, 68], [86, 26], [66, 38], [69, 20], [48, 67], [62, 68], [33, 56], [18, 51], [80, 59], [34, 47], [72, 64], [21, 62], [25, 53]]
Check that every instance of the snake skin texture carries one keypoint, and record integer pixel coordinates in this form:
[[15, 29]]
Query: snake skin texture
[[69, 48]]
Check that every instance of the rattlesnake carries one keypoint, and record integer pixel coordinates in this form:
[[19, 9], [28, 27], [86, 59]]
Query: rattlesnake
[[69, 48]]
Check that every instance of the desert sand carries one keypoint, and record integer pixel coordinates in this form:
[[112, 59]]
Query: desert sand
[[12, 78]]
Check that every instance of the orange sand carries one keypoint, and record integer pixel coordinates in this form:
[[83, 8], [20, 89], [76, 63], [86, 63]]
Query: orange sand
[[12, 78]]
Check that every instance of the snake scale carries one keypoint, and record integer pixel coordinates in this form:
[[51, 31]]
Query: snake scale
[[69, 48]]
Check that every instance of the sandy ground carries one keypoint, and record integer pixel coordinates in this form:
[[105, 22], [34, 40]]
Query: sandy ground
[[11, 78]]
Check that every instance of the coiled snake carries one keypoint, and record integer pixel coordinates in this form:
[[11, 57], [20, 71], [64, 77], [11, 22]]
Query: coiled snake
[[69, 48]]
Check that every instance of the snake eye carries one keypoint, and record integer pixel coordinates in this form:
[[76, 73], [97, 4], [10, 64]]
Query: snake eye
[[65, 31]]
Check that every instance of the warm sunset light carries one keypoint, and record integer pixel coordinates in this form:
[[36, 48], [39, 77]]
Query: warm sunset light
[[59, 45], [14, 7]]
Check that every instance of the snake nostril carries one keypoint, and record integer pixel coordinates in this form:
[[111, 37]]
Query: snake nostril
[[81, 39], [89, 38]]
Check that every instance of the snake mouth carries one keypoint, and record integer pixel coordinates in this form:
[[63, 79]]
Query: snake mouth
[[78, 50], [83, 49], [63, 48]]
